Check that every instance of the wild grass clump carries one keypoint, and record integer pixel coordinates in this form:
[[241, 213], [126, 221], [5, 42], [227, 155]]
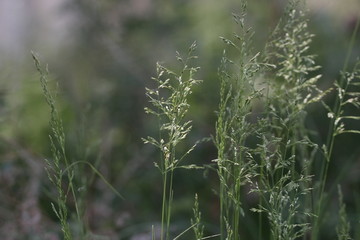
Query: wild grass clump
[[277, 167], [56, 168], [233, 129], [62, 173], [264, 147], [347, 95], [286, 151], [170, 105]]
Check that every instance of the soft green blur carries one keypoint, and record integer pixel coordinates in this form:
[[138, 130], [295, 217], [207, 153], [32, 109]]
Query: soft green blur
[[101, 55]]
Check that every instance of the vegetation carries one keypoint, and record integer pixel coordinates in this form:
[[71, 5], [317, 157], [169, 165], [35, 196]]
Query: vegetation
[[273, 166], [270, 149]]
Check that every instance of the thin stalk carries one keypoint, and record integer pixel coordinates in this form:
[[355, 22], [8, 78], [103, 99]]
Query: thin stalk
[[331, 137], [77, 209], [164, 173], [222, 195], [236, 213], [163, 204], [170, 197], [260, 200]]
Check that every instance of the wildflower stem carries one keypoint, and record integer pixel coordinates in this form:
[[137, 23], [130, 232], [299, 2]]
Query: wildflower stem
[[331, 136]]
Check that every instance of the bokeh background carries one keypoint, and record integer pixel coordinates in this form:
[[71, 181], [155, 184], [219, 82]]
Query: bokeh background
[[102, 54]]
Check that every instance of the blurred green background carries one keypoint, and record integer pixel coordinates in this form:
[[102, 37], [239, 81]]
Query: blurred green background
[[101, 55]]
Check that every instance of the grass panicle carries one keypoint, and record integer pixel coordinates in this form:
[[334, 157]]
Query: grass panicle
[[196, 221], [348, 92], [285, 151], [170, 105], [55, 167], [233, 128], [343, 227], [61, 172], [264, 147]]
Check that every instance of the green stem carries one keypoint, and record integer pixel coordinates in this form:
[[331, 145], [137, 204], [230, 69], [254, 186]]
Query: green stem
[[331, 137], [170, 198], [163, 204], [222, 195], [260, 197], [237, 216]]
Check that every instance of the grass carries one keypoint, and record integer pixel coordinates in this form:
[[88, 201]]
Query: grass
[[264, 147], [170, 105], [62, 172], [55, 168]]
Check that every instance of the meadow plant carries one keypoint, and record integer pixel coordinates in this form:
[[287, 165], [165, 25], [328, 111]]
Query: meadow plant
[[55, 168], [237, 93], [196, 221], [280, 169], [285, 151], [63, 173], [347, 96], [263, 145], [343, 228], [170, 106]]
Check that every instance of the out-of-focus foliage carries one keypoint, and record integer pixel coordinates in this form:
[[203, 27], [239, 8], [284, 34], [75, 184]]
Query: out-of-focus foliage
[[101, 55]]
